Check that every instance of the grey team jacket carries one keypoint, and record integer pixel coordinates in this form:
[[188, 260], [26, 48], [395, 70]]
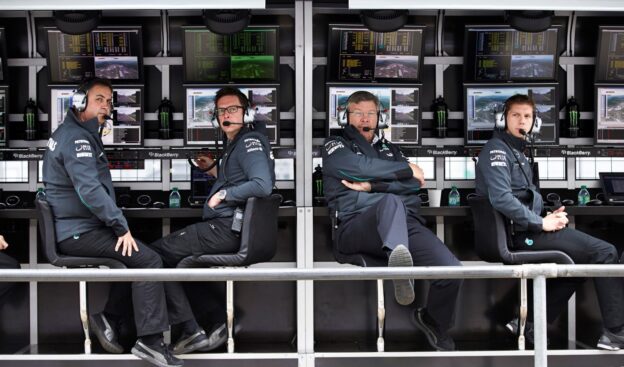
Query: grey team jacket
[[246, 170], [500, 177], [352, 158], [77, 179]]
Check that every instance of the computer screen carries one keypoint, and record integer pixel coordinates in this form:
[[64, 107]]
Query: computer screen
[[4, 116], [110, 53], [483, 102], [3, 56], [199, 104], [201, 183], [126, 126], [610, 56], [400, 102], [500, 53], [610, 115], [359, 54], [250, 55]]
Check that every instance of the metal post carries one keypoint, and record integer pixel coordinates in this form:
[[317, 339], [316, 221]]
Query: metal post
[[381, 315], [539, 319]]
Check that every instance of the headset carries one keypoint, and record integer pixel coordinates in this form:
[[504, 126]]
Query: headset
[[249, 113], [501, 120], [79, 99], [382, 114]]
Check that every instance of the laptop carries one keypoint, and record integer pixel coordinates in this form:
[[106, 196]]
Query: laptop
[[201, 183], [613, 187]]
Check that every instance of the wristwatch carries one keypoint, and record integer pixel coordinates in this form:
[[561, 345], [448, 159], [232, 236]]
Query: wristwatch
[[221, 194]]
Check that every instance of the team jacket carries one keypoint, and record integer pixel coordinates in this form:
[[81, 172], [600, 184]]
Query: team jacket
[[352, 158], [77, 179], [500, 176], [246, 170]]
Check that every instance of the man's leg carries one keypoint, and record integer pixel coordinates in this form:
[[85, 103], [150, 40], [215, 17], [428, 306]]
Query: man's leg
[[7, 262]]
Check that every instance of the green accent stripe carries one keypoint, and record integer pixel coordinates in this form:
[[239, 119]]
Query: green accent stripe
[[83, 201], [358, 179]]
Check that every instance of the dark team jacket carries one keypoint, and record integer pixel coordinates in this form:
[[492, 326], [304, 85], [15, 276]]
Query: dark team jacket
[[77, 179], [246, 170], [352, 158], [505, 176]]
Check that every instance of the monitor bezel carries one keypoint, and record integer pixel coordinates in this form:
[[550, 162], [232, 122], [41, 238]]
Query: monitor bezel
[[599, 56]]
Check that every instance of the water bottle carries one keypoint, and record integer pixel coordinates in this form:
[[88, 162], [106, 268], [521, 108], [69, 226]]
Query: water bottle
[[583, 196], [174, 198], [40, 195], [454, 199]]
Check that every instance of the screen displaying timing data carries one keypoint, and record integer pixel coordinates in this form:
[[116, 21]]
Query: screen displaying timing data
[[199, 113], [125, 128], [401, 103], [111, 54], [3, 117], [483, 102], [504, 54], [250, 55], [364, 55], [610, 115], [610, 61]]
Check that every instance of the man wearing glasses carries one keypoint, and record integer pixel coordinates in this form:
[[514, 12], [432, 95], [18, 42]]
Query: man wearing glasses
[[371, 188]]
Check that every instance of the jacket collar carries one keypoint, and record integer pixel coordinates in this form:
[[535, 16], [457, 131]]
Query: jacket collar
[[91, 125], [516, 143]]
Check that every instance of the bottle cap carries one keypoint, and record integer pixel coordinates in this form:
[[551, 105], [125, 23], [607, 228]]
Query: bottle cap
[[174, 189], [583, 186]]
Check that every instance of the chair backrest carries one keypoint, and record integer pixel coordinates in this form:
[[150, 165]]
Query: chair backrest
[[491, 231], [259, 232], [45, 220]]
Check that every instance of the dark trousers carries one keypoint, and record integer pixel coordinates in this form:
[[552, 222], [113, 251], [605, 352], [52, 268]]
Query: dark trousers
[[7, 262], [388, 224], [213, 236], [583, 249], [156, 305]]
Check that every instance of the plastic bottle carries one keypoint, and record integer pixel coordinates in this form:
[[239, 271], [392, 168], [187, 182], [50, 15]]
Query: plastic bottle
[[40, 195], [583, 196], [174, 198], [454, 198]]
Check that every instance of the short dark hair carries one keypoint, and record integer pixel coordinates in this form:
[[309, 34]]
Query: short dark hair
[[363, 96], [92, 82], [231, 91], [519, 99]]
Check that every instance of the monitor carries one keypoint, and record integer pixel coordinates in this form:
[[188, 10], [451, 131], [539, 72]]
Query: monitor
[[610, 56], [201, 183], [199, 104], [4, 116], [500, 53], [126, 126], [401, 103], [251, 55], [484, 101], [113, 53], [610, 115], [284, 169], [359, 54], [3, 56]]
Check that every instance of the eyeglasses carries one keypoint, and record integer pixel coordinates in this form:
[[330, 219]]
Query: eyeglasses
[[360, 114], [230, 110]]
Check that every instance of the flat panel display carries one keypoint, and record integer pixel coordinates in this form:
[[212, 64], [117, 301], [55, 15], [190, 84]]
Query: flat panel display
[[610, 115], [4, 116], [199, 104], [400, 102], [247, 56], [504, 54], [359, 54], [610, 56], [483, 102], [3, 56], [110, 53]]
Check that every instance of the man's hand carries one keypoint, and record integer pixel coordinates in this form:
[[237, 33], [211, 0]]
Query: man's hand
[[418, 173], [357, 186], [127, 243], [204, 161], [555, 221], [214, 201], [3, 243]]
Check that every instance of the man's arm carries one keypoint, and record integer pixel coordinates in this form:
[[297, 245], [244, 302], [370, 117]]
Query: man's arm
[[255, 163], [81, 165]]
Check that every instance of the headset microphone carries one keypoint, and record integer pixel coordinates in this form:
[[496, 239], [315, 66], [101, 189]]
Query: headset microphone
[[523, 132], [228, 123], [367, 129]]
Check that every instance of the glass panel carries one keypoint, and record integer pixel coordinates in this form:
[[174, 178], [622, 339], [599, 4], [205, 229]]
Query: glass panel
[[14, 171]]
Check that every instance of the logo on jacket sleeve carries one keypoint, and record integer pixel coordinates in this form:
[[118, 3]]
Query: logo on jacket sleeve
[[51, 144], [253, 145], [333, 145]]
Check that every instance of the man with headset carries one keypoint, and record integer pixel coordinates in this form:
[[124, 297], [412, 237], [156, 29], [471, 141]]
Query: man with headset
[[88, 223], [504, 175], [371, 188]]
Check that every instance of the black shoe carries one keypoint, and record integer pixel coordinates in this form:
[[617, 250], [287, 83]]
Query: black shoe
[[438, 339], [611, 341], [217, 337], [157, 355], [512, 326], [403, 288], [105, 333], [191, 343]]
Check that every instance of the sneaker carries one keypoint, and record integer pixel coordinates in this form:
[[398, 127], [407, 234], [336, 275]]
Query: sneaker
[[217, 337], [157, 355], [611, 341], [437, 338], [403, 288], [105, 333], [512, 326], [191, 343]]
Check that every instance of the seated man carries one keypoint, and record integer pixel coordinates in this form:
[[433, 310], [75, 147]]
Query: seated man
[[373, 188], [504, 176], [6, 262], [88, 223]]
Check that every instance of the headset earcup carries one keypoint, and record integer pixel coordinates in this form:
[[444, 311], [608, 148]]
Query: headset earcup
[[537, 125], [249, 115], [213, 118], [499, 121], [79, 100], [382, 120], [342, 117]]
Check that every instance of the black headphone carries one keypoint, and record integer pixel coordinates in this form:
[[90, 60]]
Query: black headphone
[[79, 99], [501, 119], [249, 112], [382, 113]]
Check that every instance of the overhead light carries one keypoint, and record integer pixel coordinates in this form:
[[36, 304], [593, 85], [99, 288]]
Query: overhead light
[[226, 21], [77, 22], [529, 20], [384, 20]]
